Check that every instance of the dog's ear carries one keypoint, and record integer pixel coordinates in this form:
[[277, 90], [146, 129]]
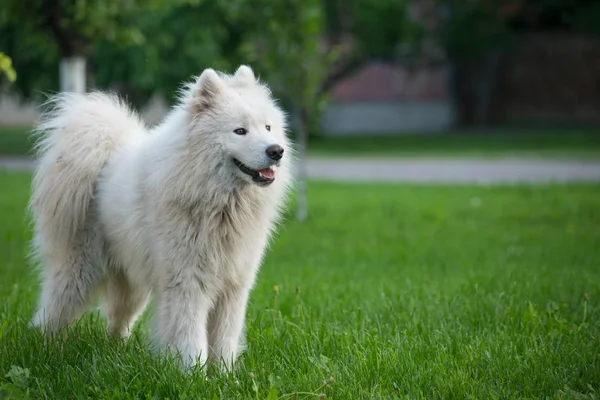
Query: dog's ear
[[208, 89], [244, 75]]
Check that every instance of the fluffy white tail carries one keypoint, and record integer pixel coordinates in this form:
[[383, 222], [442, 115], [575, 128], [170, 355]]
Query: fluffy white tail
[[77, 136]]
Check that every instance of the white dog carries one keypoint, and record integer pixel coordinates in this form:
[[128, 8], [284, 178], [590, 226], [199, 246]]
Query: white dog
[[183, 211]]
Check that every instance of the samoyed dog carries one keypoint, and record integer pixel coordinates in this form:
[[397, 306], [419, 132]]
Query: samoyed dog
[[182, 212]]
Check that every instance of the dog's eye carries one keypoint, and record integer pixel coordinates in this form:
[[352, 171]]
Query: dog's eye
[[268, 127], [240, 131]]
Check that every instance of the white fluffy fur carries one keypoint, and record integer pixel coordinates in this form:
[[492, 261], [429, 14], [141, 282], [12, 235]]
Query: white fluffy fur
[[131, 212]]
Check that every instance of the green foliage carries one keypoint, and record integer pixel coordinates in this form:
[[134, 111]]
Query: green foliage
[[74, 24], [479, 292], [285, 50], [6, 67], [473, 28], [172, 52], [38, 32], [33, 56], [16, 384], [379, 28], [145, 46]]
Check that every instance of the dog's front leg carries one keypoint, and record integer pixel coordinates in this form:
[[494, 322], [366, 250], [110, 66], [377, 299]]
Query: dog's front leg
[[182, 312], [226, 325]]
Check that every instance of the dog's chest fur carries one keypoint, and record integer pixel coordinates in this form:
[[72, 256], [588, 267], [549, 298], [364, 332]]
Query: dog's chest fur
[[226, 237]]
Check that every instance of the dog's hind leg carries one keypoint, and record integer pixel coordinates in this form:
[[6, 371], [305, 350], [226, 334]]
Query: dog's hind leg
[[68, 287], [124, 303]]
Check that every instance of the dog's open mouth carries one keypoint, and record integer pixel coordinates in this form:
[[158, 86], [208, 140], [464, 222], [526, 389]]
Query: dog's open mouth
[[264, 176]]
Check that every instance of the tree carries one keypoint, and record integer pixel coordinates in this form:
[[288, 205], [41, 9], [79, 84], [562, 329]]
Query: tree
[[172, 52], [31, 55], [74, 26]]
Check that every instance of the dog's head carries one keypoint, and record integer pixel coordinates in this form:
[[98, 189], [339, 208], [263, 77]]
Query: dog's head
[[244, 123]]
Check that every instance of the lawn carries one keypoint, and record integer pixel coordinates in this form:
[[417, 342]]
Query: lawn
[[499, 142], [560, 142], [15, 141], [432, 292]]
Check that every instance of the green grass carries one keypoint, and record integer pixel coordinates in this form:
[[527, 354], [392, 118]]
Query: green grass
[[557, 143], [15, 141], [580, 143], [432, 292]]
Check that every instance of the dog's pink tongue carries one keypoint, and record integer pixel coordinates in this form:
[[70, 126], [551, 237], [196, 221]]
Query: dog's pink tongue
[[267, 173]]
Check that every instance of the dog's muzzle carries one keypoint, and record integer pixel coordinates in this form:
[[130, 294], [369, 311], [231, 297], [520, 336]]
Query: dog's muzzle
[[263, 177]]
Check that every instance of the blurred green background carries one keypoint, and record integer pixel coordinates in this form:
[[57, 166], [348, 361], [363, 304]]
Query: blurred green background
[[367, 68]]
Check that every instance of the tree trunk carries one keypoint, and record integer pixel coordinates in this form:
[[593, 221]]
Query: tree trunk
[[302, 210], [72, 74]]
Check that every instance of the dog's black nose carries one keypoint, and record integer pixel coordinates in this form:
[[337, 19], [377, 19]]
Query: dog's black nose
[[275, 152]]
